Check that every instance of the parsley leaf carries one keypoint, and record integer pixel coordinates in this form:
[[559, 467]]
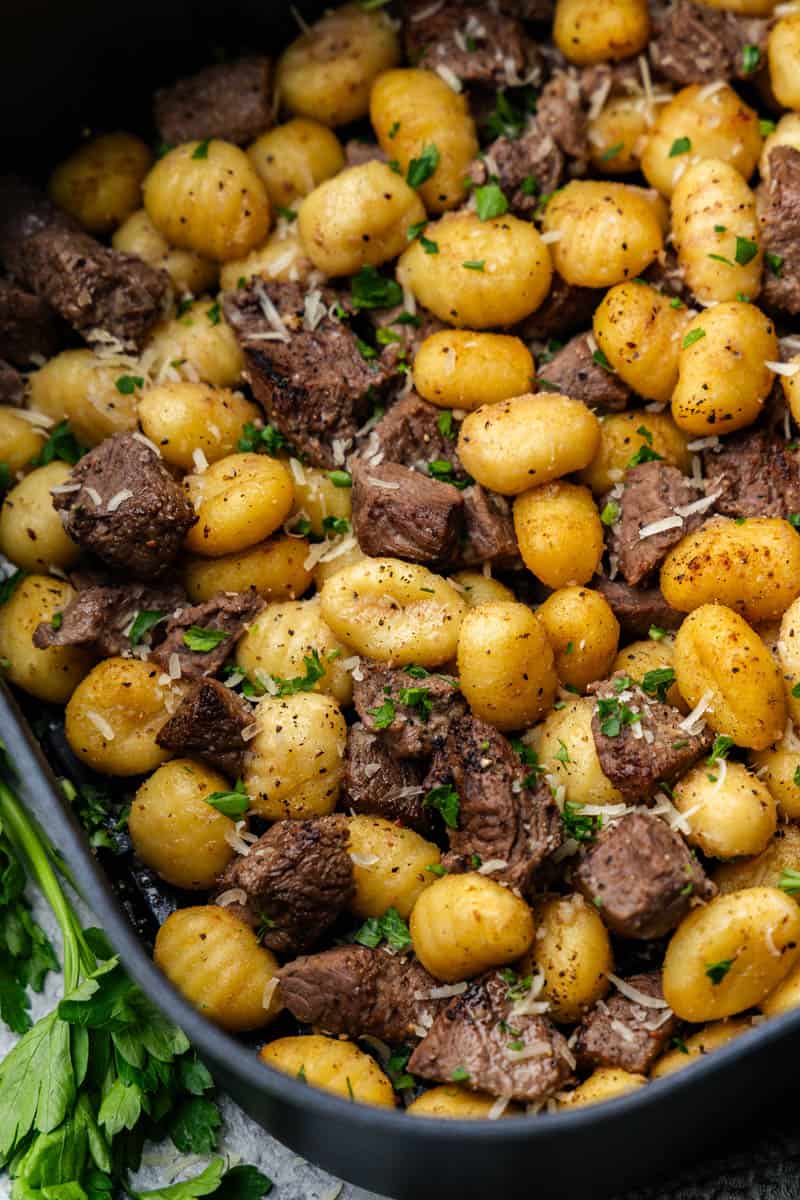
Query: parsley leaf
[[201, 149], [390, 928], [340, 479], [775, 263], [612, 152], [420, 169], [681, 145], [62, 444], [720, 749], [610, 513], [145, 620], [746, 250], [203, 641], [579, 826], [717, 971], [230, 804], [658, 682], [10, 585], [261, 441], [126, 385], [302, 683], [694, 335], [370, 289], [790, 881], [383, 716], [751, 57], [490, 201], [445, 800]]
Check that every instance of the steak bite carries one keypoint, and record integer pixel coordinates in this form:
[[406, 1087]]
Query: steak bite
[[413, 715], [626, 1033], [401, 513], [778, 203], [473, 41], [203, 635], [377, 784], [754, 474], [356, 991], [653, 493], [209, 721], [29, 328], [502, 821], [575, 372], [127, 509], [411, 433], [641, 876], [526, 167], [641, 740], [100, 292], [696, 44], [638, 608], [561, 111], [313, 383], [230, 100], [470, 1041], [102, 615], [12, 385], [489, 527], [565, 309], [297, 879]]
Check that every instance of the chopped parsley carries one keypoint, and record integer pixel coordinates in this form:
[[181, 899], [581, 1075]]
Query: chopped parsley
[[446, 801], [201, 149], [10, 585], [562, 754], [460, 1075], [680, 1045], [610, 513], [612, 152], [203, 640], [444, 423], [578, 825], [751, 57], [336, 525], [390, 928], [213, 313], [57, 621], [419, 698], [474, 265], [288, 214], [396, 1069], [766, 127], [656, 633], [658, 682], [230, 804], [681, 145], [721, 258], [62, 444], [394, 129], [267, 440], [746, 250], [490, 201], [506, 119], [694, 335], [796, 691], [720, 749], [145, 620], [790, 881], [370, 289], [645, 454], [340, 479], [126, 385], [717, 971], [420, 169], [383, 716], [613, 715], [775, 263], [302, 683], [530, 185], [517, 986]]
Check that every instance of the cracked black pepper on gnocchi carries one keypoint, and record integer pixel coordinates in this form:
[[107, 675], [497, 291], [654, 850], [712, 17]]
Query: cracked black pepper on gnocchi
[[402, 492]]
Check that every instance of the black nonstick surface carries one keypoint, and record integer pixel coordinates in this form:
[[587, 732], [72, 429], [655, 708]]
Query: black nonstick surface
[[69, 66]]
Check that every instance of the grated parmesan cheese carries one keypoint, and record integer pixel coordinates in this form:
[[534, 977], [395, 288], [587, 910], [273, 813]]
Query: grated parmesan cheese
[[118, 499], [94, 496], [782, 368], [552, 235], [234, 895], [697, 506], [498, 1108], [101, 724], [491, 865], [711, 89], [449, 76], [633, 993], [694, 719], [656, 527], [270, 988]]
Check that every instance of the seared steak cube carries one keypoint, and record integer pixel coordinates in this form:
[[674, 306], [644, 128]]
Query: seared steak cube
[[413, 714], [230, 100], [527, 167], [203, 635], [401, 513], [29, 328], [507, 824], [638, 609], [128, 510], [566, 308], [411, 433], [754, 474], [311, 378], [561, 111], [653, 493], [101, 616], [696, 44], [297, 879], [641, 876], [779, 214], [12, 385], [498, 51], [626, 1033], [209, 721], [378, 784], [489, 527], [471, 1042], [574, 372], [639, 739], [356, 991]]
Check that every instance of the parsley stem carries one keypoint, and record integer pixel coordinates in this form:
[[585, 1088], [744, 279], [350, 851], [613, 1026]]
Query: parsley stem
[[78, 958]]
